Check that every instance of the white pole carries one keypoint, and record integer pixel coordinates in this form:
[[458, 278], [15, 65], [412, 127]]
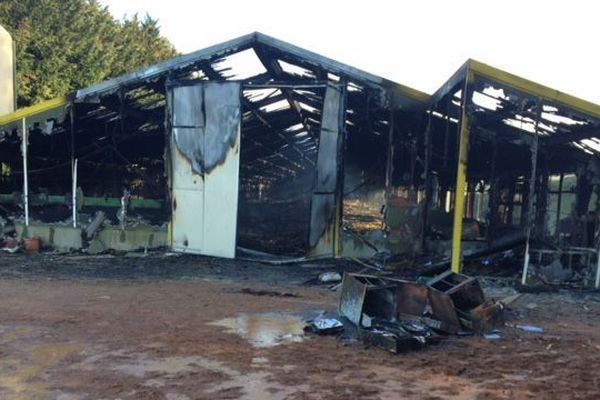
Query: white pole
[[597, 284], [24, 145], [525, 264], [74, 189]]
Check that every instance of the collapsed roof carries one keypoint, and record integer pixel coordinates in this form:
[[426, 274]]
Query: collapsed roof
[[516, 108]]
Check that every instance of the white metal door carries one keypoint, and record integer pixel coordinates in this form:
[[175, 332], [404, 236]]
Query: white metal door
[[205, 144]]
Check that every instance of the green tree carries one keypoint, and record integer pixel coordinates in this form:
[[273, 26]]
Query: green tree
[[63, 45]]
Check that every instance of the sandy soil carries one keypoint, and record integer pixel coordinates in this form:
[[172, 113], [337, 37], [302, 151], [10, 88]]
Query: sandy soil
[[202, 333]]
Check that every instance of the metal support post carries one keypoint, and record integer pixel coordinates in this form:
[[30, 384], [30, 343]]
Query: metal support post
[[24, 146], [461, 178]]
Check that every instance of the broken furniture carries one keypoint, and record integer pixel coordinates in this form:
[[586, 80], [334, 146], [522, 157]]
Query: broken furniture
[[458, 302], [371, 303], [403, 315]]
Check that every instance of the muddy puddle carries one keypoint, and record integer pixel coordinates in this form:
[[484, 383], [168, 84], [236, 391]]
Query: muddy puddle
[[266, 330]]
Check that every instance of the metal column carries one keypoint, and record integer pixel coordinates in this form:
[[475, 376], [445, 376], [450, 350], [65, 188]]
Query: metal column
[[532, 179], [461, 178]]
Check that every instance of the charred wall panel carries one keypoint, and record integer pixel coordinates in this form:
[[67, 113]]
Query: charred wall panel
[[323, 206]]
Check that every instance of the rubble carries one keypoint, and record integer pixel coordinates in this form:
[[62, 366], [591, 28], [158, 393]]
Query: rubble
[[401, 315], [322, 325], [330, 277]]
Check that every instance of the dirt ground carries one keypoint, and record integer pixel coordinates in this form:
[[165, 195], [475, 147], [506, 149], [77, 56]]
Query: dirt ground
[[178, 328]]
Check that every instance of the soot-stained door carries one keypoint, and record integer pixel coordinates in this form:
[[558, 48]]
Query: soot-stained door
[[205, 154]]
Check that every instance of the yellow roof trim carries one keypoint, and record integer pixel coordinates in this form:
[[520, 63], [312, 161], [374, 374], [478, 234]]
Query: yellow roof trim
[[33, 110], [415, 94], [535, 89]]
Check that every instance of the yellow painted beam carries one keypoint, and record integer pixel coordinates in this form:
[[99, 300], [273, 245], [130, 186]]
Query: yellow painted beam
[[461, 181], [532, 88], [414, 94], [33, 110]]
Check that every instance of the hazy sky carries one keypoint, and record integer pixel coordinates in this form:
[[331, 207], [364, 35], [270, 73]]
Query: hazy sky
[[417, 43]]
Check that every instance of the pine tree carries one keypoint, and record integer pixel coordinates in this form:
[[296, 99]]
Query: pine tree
[[63, 45]]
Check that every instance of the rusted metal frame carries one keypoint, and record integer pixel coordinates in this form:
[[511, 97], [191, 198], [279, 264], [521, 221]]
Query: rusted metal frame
[[532, 179], [272, 66], [461, 174]]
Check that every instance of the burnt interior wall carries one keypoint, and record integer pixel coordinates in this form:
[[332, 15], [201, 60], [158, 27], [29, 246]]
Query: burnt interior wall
[[277, 172], [365, 162], [120, 148], [49, 173]]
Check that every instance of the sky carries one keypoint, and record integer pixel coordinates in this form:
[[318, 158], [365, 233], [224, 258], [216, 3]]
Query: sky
[[418, 43]]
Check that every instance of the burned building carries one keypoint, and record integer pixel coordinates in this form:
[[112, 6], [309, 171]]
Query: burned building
[[524, 158], [255, 146], [250, 144]]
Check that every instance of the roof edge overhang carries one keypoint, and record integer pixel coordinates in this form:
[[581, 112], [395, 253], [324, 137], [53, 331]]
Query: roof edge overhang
[[522, 85], [56, 105]]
